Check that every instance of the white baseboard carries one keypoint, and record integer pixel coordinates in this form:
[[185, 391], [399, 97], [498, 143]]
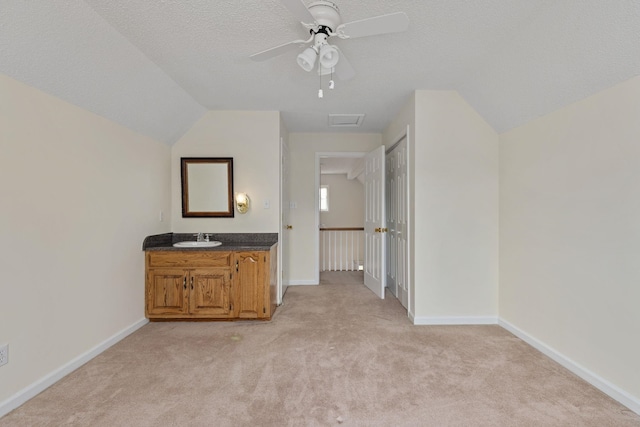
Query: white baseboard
[[603, 385], [454, 320], [48, 380], [302, 282]]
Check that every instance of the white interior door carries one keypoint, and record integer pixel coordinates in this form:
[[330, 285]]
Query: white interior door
[[401, 222], [374, 222], [285, 225], [391, 187]]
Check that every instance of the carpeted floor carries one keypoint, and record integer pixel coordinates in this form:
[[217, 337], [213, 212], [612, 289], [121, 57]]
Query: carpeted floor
[[341, 277], [332, 355]]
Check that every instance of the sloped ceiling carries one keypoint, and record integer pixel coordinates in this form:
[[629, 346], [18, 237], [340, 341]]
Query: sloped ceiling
[[156, 66], [351, 166]]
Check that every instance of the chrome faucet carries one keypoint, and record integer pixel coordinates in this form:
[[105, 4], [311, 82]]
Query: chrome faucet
[[202, 237]]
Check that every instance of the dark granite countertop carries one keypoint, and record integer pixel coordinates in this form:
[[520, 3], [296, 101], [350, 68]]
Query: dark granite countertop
[[230, 241]]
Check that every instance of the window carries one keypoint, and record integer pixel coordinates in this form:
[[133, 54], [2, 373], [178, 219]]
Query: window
[[324, 198]]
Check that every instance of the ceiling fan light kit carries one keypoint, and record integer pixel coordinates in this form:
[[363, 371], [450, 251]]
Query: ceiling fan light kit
[[307, 59], [328, 56], [322, 19]]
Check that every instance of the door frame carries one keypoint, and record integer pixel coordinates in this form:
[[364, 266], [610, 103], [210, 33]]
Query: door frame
[[316, 236], [283, 239]]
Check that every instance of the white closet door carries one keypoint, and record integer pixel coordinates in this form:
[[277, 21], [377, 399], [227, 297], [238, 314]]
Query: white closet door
[[391, 209], [401, 223]]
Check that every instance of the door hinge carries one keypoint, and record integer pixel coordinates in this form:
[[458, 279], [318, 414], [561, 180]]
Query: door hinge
[[264, 310], [231, 307], [265, 258]]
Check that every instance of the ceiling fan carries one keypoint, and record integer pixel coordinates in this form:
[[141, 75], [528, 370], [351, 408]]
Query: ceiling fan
[[322, 19]]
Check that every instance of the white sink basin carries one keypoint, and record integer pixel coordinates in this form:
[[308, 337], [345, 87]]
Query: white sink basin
[[191, 244]]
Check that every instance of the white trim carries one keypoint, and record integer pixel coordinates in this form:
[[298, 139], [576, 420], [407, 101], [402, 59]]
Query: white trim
[[303, 282], [598, 382], [410, 194], [48, 380], [281, 230], [316, 224], [454, 320]]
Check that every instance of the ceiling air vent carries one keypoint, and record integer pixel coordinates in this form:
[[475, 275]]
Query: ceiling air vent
[[345, 120]]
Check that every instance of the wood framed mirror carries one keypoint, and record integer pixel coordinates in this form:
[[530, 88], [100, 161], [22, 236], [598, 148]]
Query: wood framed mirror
[[207, 186]]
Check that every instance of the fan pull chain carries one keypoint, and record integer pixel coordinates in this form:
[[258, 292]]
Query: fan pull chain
[[320, 93]]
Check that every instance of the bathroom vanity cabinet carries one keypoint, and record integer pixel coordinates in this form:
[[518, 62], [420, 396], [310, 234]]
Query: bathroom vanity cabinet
[[210, 284]]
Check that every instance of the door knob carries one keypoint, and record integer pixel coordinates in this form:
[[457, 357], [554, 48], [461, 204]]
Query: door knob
[[289, 227]]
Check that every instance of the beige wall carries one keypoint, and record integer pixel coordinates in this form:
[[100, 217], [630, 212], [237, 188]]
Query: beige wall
[[252, 138], [570, 232], [456, 209], [453, 186], [346, 202], [79, 194], [302, 149]]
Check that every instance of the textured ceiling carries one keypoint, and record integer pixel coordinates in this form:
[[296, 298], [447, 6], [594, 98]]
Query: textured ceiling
[[156, 66]]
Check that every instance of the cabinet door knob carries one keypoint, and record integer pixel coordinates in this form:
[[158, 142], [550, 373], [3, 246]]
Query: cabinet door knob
[[191, 282], [184, 282]]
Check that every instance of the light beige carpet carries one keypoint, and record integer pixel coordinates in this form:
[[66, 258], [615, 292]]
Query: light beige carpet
[[333, 355], [341, 277]]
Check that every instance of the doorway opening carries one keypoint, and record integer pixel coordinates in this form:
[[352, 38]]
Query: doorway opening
[[340, 217]]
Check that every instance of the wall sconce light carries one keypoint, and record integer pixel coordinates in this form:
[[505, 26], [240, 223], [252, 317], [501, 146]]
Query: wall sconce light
[[242, 202]]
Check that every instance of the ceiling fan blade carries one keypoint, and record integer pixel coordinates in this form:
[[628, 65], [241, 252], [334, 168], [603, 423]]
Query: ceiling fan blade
[[299, 10], [383, 24], [343, 68], [278, 50]]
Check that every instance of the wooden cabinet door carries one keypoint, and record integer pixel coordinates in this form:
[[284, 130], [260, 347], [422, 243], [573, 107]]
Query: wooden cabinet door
[[209, 290], [249, 285], [167, 292]]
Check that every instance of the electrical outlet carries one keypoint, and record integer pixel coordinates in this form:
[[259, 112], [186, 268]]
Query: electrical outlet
[[4, 354]]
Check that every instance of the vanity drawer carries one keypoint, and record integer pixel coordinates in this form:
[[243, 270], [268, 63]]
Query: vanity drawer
[[188, 259]]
